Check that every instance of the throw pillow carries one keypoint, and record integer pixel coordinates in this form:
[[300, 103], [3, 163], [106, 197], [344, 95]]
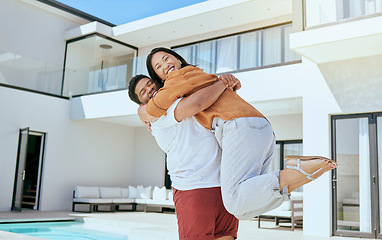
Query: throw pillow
[[159, 193], [133, 192], [169, 194], [145, 192]]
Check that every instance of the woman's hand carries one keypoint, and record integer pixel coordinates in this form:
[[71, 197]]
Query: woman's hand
[[230, 81], [144, 116]]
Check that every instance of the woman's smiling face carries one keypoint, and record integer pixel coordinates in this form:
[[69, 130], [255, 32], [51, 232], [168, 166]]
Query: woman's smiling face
[[163, 63]]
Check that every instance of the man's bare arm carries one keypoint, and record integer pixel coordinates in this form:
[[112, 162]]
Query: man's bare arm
[[144, 116], [197, 101]]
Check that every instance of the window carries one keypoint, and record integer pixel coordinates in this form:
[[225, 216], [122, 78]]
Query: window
[[242, 51], [285, 148]]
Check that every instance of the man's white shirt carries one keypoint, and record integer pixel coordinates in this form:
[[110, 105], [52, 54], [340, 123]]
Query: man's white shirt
[[193, 154]]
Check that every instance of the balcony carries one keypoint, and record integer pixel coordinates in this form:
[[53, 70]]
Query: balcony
[[97, 63], [30, 74], [332, 29]]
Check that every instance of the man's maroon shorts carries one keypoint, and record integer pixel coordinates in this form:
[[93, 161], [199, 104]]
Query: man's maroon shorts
[[201, 214]]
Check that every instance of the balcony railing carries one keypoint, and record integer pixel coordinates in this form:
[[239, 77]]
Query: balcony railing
[[96, 63], [28, 73], [318, 12]]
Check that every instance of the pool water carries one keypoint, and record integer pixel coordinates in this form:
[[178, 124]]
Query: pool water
[[59, 231]]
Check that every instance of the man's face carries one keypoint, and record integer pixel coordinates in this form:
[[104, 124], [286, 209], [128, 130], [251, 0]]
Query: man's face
[[145, 90]]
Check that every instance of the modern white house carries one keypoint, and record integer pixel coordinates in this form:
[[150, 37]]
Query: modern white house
[[313, 67]]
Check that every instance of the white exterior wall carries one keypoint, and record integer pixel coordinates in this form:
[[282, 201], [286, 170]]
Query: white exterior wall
[[356, 83], [149, 160], [34, 32], [319, 103], [287, 127], [76, 152]]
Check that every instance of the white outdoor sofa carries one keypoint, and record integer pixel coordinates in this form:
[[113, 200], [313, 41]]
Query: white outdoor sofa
[[112, 198], [290, 212]]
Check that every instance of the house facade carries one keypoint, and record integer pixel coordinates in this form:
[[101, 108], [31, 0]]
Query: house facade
[[312, 67]]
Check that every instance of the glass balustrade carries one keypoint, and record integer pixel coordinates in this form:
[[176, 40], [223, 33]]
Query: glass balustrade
[[319, 12], [20, 71], [97, 64]]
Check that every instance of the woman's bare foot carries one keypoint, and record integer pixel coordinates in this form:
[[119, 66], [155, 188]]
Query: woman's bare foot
[[299, 183], [299, 169]]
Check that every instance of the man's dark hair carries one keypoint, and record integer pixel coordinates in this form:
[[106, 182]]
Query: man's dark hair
[[133, 84], [150, 68]]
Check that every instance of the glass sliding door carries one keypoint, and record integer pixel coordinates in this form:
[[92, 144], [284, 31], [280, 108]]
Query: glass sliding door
[[20, 170], [379, 159], [355, 193], [285, 148]]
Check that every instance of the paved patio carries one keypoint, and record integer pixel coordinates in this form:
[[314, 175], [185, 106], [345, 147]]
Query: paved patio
[[157, 226]]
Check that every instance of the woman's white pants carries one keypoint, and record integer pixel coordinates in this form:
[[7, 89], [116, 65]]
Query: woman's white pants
[[248, 146]]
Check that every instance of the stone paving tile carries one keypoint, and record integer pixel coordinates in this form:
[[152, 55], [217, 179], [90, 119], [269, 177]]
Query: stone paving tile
[[153, 226]]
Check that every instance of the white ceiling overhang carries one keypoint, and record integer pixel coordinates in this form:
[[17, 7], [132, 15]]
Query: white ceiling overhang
[[202, 18], [338, 42]]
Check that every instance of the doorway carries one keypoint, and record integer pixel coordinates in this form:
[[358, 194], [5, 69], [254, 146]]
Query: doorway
[[28, 173], [356, 142]]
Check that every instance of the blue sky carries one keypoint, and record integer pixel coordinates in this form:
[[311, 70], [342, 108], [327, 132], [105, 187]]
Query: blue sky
[[123, 11]]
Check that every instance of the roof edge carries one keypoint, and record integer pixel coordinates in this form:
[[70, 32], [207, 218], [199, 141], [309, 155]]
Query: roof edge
[[75, 12]]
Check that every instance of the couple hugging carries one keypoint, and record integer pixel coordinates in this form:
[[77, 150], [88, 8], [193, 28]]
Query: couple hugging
[[218, 146]]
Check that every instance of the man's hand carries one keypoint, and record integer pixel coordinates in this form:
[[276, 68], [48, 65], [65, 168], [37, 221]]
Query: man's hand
[[144, 116], [230, 81], [148, 126]]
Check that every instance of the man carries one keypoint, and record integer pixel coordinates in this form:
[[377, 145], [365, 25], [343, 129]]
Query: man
[[193, 160]]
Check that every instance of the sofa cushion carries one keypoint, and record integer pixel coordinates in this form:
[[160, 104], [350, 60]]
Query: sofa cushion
[[350, 201], [110, 192], [145, 192], [279, 213], [140, 201], [133, 192], [86, 192], [287, 206], [159, 193], [297, 196], [169, 194], [125, 192], [92, 200], [124, 200]]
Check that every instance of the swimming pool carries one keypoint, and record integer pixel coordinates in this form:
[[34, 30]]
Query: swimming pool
[[70, 230]]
